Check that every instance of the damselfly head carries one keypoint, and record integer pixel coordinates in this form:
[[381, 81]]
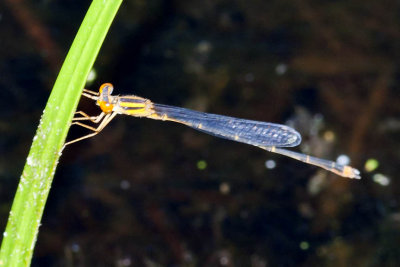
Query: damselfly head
[[105, 98]]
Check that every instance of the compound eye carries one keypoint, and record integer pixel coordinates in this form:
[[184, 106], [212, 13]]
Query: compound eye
[[106, 107], [106, 89]]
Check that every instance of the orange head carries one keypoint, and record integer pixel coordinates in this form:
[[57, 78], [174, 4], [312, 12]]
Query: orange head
[[104, 100]]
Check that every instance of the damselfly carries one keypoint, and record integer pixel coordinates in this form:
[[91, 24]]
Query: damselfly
[[265, 135]]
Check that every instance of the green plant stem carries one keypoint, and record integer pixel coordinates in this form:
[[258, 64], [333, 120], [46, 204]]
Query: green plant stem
[[23, 223]]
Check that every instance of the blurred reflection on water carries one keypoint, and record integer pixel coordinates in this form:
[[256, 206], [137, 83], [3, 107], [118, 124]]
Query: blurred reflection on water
[[151, 193]]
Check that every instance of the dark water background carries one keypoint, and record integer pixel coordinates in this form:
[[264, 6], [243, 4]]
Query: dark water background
[[151, 193]]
